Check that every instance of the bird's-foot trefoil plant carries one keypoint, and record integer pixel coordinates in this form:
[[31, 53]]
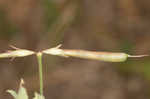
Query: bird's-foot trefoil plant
[[94, 55]]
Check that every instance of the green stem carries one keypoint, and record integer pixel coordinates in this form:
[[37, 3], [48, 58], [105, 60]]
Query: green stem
[[39, 57]]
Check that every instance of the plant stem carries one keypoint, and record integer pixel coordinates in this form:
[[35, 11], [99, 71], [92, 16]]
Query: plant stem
[[39, 57]]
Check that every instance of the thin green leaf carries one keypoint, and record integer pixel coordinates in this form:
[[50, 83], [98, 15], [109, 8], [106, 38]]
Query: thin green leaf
[[13, 93]]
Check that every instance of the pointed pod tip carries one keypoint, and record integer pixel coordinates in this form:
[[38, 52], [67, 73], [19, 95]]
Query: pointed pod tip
[[137, 56]]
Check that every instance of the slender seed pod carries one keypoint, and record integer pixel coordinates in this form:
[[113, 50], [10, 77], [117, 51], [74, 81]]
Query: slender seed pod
[[101, 56]]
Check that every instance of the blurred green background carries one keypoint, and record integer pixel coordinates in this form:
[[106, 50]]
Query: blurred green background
[[101, 25]]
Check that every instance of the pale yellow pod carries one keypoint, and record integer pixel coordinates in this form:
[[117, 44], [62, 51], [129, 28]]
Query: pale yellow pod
[[101, 56]]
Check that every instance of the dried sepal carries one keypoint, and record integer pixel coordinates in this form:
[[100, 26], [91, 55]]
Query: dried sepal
[[14, 47], [55, 51], [16, 53]]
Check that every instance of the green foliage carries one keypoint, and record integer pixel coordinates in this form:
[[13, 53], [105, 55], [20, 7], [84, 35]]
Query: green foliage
[[22, 93], [6, 28], [51, 12]]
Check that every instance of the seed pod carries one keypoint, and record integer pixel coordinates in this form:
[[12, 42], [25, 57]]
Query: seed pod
[[101, 56]]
